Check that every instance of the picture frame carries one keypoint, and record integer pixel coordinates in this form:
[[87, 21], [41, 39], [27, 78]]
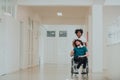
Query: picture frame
[[62, 33], [51, 33]]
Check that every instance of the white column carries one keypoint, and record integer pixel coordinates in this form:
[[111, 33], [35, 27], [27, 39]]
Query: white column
[[90, 39], [97, 38]]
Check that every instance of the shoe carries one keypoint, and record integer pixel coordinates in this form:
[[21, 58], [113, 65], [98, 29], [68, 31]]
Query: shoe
[[83, 71], [76, 71]]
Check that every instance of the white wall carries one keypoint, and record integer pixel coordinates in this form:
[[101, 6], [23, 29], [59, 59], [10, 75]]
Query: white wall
[[24, 45], [24, 40], [41, 44], [112, 2], [29, 32], [10, 45], [36, 43], [56, 50], [111, 52]]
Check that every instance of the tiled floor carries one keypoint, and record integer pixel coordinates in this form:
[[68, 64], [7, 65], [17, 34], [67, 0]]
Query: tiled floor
[[50, 72]]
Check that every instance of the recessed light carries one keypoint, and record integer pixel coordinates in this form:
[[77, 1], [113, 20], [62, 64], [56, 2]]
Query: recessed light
[[59, 13]]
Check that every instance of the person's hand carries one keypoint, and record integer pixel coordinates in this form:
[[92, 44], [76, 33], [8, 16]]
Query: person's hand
[[71, 53], [82, 56], [87, 54]]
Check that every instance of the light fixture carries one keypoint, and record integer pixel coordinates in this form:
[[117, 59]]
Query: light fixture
[[59, 13]]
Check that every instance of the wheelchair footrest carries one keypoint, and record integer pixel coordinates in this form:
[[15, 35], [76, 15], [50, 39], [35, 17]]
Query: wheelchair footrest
[[76, 72]]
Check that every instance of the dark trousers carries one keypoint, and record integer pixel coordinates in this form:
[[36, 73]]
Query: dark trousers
[[80, 61]]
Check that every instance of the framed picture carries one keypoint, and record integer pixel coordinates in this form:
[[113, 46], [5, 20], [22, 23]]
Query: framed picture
[[62, 33], [50, 33]]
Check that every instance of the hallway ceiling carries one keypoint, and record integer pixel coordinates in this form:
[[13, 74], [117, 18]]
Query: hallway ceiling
[[71, 14], [51, 11]]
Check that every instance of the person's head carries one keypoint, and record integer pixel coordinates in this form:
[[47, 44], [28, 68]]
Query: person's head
[[79, 32], [78, 42]]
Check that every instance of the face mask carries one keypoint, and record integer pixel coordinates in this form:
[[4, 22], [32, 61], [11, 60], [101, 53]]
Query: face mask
[[79, 46]]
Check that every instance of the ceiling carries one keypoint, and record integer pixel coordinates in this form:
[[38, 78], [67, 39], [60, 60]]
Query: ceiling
[[71, 14], [68, 11]]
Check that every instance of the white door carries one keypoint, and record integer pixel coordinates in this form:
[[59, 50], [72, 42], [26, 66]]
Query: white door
[[57, 47]]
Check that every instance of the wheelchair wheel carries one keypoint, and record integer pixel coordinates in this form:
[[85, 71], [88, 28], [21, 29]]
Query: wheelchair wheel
[[72, 70], [87, 70]]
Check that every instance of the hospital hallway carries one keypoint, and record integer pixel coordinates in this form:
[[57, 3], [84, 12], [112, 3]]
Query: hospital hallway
[[36, 39], [51, 72]]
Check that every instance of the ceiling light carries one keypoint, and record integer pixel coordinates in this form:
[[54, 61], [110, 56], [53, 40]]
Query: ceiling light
[[59, 13]]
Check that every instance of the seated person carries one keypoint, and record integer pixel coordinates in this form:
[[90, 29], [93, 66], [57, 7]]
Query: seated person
[[80, 54]]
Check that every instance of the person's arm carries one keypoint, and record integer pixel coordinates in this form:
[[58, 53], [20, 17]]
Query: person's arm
[[84, 41], [73, 43], [85, 44], [87, 54], [72, 53]]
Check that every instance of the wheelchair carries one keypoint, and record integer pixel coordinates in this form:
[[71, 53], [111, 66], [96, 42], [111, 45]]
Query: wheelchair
[[74, 65]]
